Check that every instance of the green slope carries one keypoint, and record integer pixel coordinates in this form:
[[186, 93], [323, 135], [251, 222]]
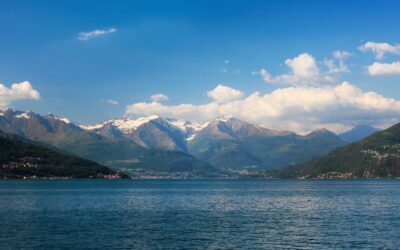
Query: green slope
[[375, 156], [20, 158]]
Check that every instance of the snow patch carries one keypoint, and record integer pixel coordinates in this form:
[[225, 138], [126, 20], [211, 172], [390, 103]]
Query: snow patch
[[225, 118], [127, 125], [23, 116], [90, 127], [190, 138], [65, 120], [187, 127], [180, 124], [124, 124], [198, 126]]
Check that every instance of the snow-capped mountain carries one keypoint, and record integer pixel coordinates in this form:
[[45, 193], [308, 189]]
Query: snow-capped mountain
[[231, 143], [150, 132], [107, 145], [225, 142], [174, 134], [188, 129], [32, 125], [231, 128], [124, 124]]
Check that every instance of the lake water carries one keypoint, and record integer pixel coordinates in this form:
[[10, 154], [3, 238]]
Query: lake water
[[199, 214]]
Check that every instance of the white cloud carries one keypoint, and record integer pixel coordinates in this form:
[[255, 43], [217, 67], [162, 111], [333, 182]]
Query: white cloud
[[159, 97], [341, 54], [384, 68], [334, 68], [223, 94], [336, 65], [380, 49], [84, 36], [226, 61], [303, 71], [299, 109], [17, 91], [110, 101]]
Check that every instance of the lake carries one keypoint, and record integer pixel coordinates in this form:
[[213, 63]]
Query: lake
[[199, 214]]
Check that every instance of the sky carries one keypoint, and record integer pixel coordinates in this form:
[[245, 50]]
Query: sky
[[293, 65]]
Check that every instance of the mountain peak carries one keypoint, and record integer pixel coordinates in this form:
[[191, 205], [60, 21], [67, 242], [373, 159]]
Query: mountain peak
[[9, 112], [358, 132], [24, 115], [126, 124], [362, 126], [225, 118], [153, 117], [7, 109], [321, 131], [3, 111], [63, 119]]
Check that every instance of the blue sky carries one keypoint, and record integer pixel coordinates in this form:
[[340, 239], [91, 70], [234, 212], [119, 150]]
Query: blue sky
[[181, 49]]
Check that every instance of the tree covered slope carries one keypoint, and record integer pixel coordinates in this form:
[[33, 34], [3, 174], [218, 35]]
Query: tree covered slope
[[375, 156], [20, 158]]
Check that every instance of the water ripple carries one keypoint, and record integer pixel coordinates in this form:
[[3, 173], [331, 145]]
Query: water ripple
[[98, 214]]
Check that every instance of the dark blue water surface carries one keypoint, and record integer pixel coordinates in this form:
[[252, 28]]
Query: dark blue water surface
[[194, 214]]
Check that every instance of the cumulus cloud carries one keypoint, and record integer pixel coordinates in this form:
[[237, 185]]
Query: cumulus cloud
[[84, 36], [300, 108], [17, 91], [223, 94], [380, 49], [110, 101], [384, 68], [159, 97], [303, 71]]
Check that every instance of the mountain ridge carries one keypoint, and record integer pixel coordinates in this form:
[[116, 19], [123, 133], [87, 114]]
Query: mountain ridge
[[20, 158], [70, 137], [226, 143], [377, 155]]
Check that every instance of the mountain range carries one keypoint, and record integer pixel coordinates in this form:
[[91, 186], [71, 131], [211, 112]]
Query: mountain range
[[226, 143], [162, 145], [111, 151]]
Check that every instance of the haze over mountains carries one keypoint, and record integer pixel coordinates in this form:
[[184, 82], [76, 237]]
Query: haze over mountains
[[156, 144], [358, 132]]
